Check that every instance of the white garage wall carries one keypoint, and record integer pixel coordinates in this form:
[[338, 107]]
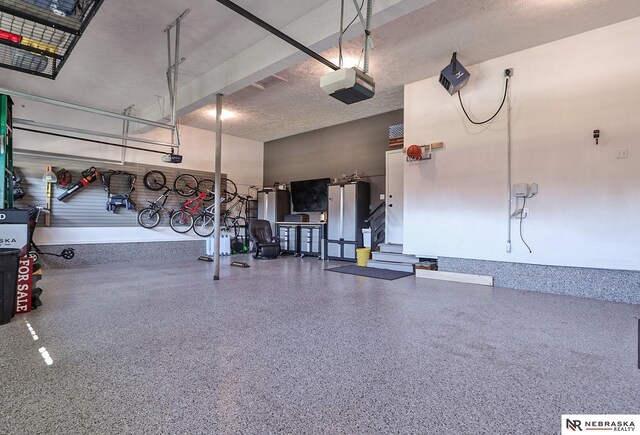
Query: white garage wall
[[586, 214], [242, 161]]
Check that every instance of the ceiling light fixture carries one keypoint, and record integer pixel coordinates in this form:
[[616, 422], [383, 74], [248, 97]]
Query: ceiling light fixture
[[226, 114], [350, 61]]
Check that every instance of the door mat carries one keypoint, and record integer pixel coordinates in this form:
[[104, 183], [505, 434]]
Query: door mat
[[370, 272]]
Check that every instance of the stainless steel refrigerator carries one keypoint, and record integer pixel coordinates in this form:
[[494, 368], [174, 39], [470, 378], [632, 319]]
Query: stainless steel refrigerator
[[273, 205], [348, 209]]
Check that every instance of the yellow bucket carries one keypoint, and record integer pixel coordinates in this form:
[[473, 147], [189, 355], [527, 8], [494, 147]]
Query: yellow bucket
[[363, 254]]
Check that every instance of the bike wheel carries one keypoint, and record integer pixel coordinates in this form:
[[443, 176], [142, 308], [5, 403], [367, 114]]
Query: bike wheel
[[207, 187], [230, 190], [204, 225], [149, 217], [154, 180], [239, 226], [185, 185], [181, 221]]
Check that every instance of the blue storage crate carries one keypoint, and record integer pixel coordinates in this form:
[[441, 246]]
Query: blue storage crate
[[58, 7]]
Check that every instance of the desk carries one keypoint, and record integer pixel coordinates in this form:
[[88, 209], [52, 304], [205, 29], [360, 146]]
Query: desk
[[302, 238]]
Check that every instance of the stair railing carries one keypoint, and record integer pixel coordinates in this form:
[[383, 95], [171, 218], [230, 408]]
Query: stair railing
[[376, 221]]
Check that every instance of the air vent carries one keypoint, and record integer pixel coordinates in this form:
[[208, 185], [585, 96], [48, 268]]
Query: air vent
[[37, 36]]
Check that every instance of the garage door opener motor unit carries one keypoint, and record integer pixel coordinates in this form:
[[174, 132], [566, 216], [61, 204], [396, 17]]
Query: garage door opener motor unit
[[349, 85]]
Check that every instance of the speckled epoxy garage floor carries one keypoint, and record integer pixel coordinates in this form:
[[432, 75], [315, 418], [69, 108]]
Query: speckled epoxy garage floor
[[285, 347]]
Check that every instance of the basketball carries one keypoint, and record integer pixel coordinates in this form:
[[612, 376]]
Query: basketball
[[414, 152]]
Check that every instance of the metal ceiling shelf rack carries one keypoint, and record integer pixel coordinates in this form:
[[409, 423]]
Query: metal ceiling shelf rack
[[37, 36]]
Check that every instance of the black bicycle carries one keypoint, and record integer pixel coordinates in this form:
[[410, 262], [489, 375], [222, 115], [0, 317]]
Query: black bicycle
[[149, 217], [232, 219]]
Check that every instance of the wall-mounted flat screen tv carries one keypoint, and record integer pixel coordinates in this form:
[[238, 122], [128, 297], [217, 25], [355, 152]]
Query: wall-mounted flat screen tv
[[310, 195]]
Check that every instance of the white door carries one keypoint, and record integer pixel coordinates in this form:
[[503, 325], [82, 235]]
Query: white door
[[394, 197]]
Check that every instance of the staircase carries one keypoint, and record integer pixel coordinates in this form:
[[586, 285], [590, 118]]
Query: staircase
[[376, 223], [390, 257]]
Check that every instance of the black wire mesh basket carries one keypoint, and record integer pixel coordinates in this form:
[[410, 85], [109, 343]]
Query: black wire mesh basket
[[37, 36]]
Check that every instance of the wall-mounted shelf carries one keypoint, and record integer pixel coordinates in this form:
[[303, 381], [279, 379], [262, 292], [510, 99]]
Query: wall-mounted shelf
[[37, 36]]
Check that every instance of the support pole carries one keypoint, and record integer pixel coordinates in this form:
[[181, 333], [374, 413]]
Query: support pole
[[174, 116], [509, 174], [125, 134], [218, 183], [367, 40], [169, 79], [172, 75]]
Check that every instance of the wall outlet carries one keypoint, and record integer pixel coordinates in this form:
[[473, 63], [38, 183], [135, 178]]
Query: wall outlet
[[508, 247], [521, 213], [622, 154]]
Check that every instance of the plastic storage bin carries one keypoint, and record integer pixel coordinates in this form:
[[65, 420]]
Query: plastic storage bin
[[225, 244], [59, 7], [9, 259]]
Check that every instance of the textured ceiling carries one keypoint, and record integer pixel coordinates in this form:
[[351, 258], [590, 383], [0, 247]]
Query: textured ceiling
[[408, 49], [122, 57]]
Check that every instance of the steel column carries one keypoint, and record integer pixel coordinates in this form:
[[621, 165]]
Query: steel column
[[218, 184], [367, 40]]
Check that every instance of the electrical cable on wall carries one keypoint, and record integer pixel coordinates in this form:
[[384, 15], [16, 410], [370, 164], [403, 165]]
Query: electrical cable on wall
[[504, 98], [524, 204]]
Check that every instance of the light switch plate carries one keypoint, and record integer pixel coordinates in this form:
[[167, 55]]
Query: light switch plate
[[622, 154]]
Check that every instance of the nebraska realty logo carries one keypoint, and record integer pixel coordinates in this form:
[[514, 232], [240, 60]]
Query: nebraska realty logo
[[607, 423]]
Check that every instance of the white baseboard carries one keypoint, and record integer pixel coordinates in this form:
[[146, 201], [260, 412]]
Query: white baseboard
[[456, 277]]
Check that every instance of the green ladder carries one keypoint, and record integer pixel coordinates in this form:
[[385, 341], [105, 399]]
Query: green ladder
[[6, 152]]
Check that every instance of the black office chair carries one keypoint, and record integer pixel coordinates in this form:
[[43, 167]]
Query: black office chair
[[267, 246]]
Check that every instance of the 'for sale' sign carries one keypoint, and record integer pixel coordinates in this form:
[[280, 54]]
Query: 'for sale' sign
[[25, 283]]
